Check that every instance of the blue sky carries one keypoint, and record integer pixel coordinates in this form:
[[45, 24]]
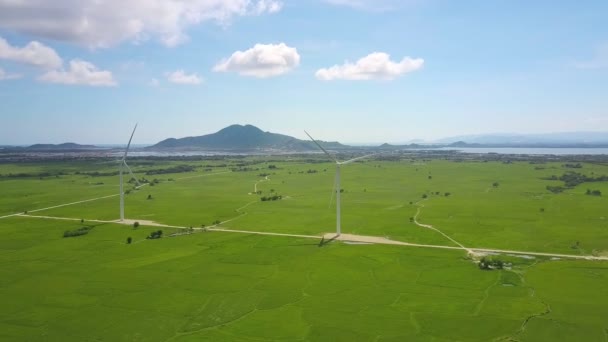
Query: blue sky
[[455, 68]]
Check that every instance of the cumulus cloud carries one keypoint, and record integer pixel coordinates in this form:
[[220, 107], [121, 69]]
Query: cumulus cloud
[[375, 66], [8, 76], [80, 73], [261, 61], [371, 5], [180, 77], [598, 61], [154, 83], [100, 24], [34, 53]]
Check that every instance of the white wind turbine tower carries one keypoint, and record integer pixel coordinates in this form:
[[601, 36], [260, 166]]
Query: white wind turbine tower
[[337, 181], [123, 163]]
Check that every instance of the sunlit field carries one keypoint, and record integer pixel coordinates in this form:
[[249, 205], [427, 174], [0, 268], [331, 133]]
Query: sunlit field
[[207, 285]]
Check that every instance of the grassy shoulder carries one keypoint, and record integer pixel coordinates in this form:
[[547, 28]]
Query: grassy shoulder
[[229, 287]]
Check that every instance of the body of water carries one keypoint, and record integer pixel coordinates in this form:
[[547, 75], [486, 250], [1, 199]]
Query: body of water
[[531, 151]]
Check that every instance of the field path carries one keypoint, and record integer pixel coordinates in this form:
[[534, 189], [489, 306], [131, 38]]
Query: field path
[[428, 226], [255, 186], [203, 175], [332, 236], [61, 205]]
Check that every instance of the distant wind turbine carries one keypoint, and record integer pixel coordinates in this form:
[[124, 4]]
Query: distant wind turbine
[[337, 181], [123, 164]]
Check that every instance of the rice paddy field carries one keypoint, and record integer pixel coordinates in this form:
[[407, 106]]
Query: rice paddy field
[[210, 285]]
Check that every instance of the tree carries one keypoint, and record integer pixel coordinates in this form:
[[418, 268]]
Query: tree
[[129, 239], [149, 197], [424, 196], [542, 210], [135, 224], [430, 177], [495, 184]]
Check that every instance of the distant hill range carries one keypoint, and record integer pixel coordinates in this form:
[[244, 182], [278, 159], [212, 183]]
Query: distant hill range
[[530, 140], [248, 138], [64, 146], [242, 138]]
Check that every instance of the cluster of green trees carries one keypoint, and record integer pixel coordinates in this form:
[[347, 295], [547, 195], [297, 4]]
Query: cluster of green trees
[[243, 169], [77, 232], [573, 166], [97, 173], [491, 264], [155, 235], [555, 189], [572, 179], [594, 192], [271, 198], [33, 175], [173, 169]]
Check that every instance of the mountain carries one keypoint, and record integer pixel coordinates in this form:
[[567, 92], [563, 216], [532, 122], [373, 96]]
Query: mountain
[[60, 147], [564, 138], [238, 137]]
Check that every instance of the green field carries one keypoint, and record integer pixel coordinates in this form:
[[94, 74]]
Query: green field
[[216, 286]]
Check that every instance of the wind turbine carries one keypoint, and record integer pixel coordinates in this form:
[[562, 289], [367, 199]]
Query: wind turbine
[[337, 181], [123, 163]]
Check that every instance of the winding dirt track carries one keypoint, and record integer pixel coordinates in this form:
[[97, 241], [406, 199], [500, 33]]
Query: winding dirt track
[[328, 236], [332, 236]]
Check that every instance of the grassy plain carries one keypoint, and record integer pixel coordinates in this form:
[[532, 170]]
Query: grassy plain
[[214, 286], [237, 287], [379, 199]]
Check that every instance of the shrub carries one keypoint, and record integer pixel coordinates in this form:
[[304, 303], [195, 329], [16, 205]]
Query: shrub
[[77, 232], [155, 235], [129, 239]]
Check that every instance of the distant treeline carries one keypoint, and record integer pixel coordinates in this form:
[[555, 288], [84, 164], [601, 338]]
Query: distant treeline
[[97, 173], [173, 169], [34, 175]]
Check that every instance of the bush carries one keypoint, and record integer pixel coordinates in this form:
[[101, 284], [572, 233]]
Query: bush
[[129, 239], [135, 224], [490, 264], [155, 235], [77, 232]]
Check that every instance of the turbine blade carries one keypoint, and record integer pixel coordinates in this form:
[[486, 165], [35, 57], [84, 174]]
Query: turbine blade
[[358, 158], [321, 147], [131, 173], [129, 144]]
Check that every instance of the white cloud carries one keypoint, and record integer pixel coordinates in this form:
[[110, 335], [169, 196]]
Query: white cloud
[[372, 5], [180, 77], [154, 83], [375, 66], [99, 24], [261, 61], [34, 53], [8, 76], [598, 61], [80, 73]]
